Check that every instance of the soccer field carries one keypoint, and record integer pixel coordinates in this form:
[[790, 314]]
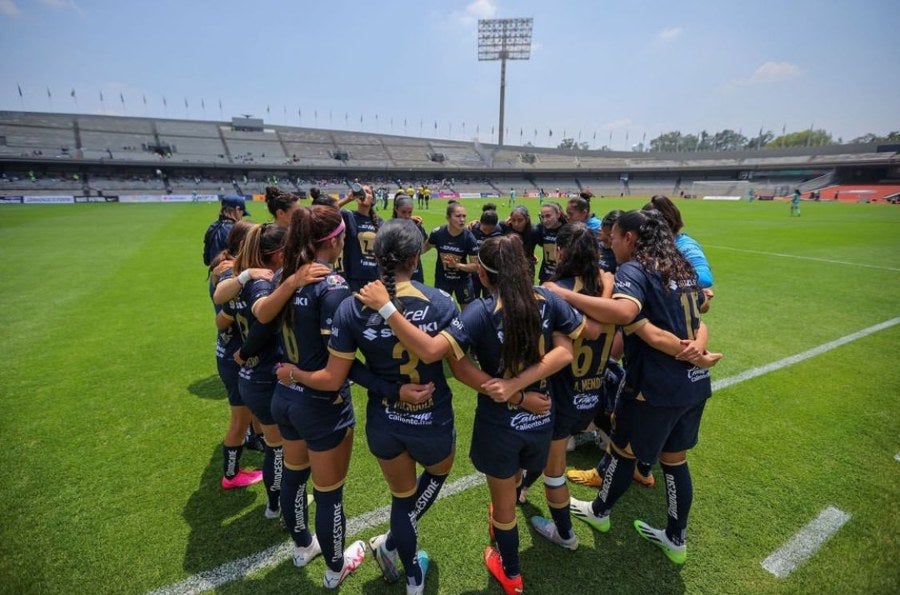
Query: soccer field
[[113, 416]]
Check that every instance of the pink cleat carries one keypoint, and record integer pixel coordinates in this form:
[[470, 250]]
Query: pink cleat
[[243, 479]]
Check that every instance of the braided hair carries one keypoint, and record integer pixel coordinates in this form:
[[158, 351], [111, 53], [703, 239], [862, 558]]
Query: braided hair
[[580, 256], [655, 247], [521, 315], [396, 245]]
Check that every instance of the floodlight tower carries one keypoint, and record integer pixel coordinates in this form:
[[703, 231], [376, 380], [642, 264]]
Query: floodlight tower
[[504, 39]]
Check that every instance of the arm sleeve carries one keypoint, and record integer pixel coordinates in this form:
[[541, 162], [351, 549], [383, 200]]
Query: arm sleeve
[[363, 376], [694, 255]]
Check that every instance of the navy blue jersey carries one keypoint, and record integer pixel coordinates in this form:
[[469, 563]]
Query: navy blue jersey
[[215, 239], [659, 378], [357, 327], [228, 340], [419, 274], [530, 239], [480, 236], [578, 387], [306, 327], [458, 247], [481, 331], [607, 258], [261, 365], [547, 241], [359, 258]]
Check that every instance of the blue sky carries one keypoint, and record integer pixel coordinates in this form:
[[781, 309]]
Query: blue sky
[[597, 67]]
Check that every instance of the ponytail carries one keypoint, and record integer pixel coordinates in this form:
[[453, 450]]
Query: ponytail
[[503, 259], [580, 256], [396, 245]]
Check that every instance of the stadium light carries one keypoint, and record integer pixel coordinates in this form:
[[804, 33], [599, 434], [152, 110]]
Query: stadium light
[[504, 39]]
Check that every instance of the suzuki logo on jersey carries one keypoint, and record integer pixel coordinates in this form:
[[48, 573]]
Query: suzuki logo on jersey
[[301, 301], [371, 334], [622, 283]]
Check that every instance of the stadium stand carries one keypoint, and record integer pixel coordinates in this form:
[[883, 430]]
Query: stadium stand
[[53, 153]]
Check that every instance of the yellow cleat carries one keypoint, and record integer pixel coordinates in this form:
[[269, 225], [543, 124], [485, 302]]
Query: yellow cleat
[[585, 477]]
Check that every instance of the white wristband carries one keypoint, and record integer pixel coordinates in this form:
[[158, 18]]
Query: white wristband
[[243, 277], [387, 309]]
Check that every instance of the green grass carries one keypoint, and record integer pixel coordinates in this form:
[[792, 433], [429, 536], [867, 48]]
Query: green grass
[[112, 415]]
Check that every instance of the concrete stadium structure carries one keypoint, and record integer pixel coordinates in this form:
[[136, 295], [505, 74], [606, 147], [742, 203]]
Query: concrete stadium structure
[[88, 155]]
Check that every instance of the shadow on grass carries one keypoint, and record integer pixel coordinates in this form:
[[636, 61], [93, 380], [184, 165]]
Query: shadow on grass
[[210, 387], [225, 524]]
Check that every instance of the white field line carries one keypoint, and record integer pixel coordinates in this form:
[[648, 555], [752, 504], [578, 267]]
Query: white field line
[[805, 542], [231, 571], [794, 359], [829, 261]]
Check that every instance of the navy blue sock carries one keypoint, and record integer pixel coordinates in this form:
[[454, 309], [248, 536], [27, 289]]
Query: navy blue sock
[[404, 534], [428, 487], [644, 468], [231, 463], [331, 523], [616, 480], [529, 477], [508, 546], [562, 518], [679, 495], [272, 470], [293, 505]]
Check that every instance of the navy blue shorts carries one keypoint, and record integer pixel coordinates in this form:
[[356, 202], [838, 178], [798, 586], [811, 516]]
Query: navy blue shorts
[[576, 416], [461, 290], [321, 422], [427, 447], [228, 372], [501, 451], [257, 395], [652, 430]]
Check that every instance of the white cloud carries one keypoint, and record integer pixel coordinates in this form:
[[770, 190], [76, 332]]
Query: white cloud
[[669, 34], [772, 72], [9, 8], [618, 124], [478, 9]]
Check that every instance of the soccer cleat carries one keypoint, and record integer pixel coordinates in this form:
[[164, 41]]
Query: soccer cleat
[[303, 555], [353, 558], [582, 510], [255, 442], [648, 481], [547, 528], [494, 563], [242, 479], [272, 513], [388, 560], [491, 522], [675, 553], [424, 560], [586, 477]]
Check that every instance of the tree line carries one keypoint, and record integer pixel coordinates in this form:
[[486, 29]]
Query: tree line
[[729, 140]]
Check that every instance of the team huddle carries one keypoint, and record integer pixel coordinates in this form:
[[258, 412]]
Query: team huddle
[[299, 299]]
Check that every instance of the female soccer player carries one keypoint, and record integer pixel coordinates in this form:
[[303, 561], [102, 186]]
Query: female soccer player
[[552, 218], [519, 223], [262, 248], [403, 209], [455, 246], [228, 340], [508, 332], [607, 256], [686, 244], [358, 263], [662, 401], [486, 227], [280, 205], [405, 431], [576, 389]]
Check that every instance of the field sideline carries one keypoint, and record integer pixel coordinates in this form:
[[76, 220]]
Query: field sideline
[[114, 416]]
